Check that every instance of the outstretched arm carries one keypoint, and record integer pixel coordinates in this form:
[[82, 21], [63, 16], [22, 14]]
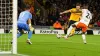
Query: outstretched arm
[[65, 12]]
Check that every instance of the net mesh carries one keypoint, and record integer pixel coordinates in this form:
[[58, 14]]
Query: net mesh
[[6, 12]]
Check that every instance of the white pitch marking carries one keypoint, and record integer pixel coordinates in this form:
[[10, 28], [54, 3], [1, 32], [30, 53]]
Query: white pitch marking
[[22, 55]]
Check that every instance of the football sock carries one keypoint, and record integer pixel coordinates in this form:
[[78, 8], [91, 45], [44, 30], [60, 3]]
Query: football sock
[[84, 38], [29, 34], [72, 31], [69, 30]]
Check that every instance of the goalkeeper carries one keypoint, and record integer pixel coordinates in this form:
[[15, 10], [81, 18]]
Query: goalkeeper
[[24, 23]]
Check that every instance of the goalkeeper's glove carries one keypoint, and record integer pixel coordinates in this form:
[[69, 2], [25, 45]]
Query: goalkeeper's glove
[[31, 28]]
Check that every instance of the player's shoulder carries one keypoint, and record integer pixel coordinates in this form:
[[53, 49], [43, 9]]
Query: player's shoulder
[[86, 10], [27, 12], [73, 9]]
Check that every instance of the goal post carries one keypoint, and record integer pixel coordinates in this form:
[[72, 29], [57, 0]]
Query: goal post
[[8, 21], [14, 49]]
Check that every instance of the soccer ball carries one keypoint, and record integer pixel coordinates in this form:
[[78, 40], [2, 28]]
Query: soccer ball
[[59, 36]]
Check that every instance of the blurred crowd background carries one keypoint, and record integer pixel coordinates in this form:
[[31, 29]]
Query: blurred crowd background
[[46, 12]]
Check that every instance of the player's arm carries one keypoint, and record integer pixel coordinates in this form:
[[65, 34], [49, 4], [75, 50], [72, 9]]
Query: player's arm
[[67, 11], [30, 26]]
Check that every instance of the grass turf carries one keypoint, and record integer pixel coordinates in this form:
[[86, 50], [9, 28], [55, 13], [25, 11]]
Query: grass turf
[[49, 45]]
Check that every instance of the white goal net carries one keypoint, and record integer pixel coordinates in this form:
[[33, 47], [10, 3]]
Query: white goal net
[[8, 18]]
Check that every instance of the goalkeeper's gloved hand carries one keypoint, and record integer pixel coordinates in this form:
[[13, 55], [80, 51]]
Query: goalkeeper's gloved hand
[[31, 28]]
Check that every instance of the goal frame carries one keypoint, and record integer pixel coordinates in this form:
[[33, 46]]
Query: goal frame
[[14, 47], [14, 32]]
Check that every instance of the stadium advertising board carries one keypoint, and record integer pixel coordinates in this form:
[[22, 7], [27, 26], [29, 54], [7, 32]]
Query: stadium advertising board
[[41, 31], [96, 32]]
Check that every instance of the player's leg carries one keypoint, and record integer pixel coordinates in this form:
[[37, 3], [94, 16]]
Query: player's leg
[[29, 34], [30, 31], [29, 37], [69, 31], [84, 37], [20, 29], [20, 33], [84, 29], [73, 30]]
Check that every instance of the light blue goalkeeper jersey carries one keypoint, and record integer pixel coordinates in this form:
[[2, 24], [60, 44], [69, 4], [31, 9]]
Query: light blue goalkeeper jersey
[[22, 20], [24, 16]]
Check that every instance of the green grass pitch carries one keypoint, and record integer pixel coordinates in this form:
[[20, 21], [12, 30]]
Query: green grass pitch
[[49, 45]]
